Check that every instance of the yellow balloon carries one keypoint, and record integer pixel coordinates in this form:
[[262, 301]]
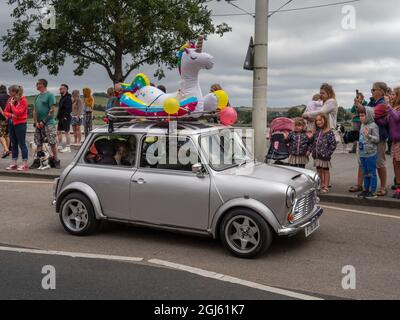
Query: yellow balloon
[[171, 106], [223, 99]]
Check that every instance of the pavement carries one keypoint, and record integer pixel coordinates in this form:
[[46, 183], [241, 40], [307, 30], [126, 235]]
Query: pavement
[[344, 175], [365, 238]]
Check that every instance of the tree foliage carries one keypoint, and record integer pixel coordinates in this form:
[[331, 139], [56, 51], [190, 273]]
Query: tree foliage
[[294, 112], [119, 35]]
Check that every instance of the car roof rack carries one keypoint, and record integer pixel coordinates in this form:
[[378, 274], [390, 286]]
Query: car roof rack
[[119, 117]]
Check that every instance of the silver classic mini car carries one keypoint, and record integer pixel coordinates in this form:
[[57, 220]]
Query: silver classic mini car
[[196, 178]]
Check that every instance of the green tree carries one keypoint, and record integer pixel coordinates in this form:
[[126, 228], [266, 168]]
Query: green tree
[[119, 35], [294, 112], [341, 116]]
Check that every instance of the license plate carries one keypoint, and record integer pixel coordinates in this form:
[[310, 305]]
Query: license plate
[[312, 227]]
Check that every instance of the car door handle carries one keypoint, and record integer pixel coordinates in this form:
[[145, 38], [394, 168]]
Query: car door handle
[[139, 181]]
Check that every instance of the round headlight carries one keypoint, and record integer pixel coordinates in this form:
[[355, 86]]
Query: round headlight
[[290, 197], [317, 181]]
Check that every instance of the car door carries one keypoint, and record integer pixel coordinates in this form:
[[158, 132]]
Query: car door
[[110, 181], [169, 193]]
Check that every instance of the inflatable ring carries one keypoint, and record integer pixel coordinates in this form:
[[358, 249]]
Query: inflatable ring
[[137, 107]]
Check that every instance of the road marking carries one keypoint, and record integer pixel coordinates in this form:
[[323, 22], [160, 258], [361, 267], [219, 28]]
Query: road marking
[[225, 278], [72, 254], [363, 212], [26, 181]]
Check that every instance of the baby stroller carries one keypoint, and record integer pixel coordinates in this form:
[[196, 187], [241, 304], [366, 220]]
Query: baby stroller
[[279, 149]]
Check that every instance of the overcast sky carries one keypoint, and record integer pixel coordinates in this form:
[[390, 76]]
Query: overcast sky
[[306, 48]]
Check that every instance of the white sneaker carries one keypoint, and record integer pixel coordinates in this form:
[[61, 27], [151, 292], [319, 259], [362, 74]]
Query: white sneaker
[[66, 150], [60, 147]]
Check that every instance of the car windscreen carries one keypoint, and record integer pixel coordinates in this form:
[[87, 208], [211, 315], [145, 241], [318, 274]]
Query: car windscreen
[[225, 149]]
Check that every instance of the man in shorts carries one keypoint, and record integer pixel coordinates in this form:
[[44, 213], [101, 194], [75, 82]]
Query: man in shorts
[[64, 119], [45, 123]]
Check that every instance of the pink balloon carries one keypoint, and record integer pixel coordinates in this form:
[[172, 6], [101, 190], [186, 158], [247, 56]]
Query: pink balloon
[[228, 116]]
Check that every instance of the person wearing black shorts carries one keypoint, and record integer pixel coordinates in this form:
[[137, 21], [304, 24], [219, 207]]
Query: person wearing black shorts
[[64, 119]]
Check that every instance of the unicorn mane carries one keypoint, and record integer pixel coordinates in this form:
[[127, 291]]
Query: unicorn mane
[[188, 45]]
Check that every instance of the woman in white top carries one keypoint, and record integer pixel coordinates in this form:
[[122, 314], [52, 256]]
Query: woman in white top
[[329, 108]]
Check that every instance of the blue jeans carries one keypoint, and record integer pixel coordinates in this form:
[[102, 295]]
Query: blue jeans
[[18, 139], [368, 166]]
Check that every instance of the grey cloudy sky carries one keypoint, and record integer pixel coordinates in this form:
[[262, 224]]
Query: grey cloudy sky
[[306, 48]]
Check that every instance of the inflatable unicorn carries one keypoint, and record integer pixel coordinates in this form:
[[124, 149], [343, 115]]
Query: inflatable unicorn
[[141, 99]]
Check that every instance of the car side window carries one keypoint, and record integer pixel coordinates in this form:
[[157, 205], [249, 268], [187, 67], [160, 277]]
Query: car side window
[[168, 153], [112, 150]]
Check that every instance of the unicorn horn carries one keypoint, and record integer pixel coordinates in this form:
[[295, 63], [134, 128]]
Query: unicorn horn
[[200, 41]]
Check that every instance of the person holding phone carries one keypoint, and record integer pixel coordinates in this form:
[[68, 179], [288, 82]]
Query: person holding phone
[[359, 100]]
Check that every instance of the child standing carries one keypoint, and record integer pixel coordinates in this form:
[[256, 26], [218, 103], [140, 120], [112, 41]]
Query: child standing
[[324, 145], [299, 144], [368, 152]]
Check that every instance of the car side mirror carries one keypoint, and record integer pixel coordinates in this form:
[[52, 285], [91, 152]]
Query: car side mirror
[[198, 169]]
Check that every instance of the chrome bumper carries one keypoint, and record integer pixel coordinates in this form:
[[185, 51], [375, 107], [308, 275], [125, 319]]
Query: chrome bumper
[[292, 230]]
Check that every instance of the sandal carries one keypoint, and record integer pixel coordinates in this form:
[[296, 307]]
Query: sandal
[[356, 189], [382, 192], [6, 154], [324, 190]]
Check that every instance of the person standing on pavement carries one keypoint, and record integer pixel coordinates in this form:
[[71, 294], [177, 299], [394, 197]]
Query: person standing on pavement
[[17, 111], [329, 107], [324, 145], [359, 102], [359, 99], [300, 144], [368, 149], [88, 110], [76, 121], [64, 119], [393, 121], [45, 123], [4, 137], [379, 91]]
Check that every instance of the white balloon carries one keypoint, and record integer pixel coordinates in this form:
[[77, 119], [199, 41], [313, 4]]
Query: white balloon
[[210, 102]]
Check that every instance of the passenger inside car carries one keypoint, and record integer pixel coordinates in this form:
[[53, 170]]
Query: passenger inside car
[[114, 152]]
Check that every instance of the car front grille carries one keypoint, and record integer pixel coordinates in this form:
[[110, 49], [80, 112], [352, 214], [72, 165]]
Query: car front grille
[[305, 205]]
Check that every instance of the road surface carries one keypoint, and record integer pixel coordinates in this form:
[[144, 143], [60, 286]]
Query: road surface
[[365, 238]]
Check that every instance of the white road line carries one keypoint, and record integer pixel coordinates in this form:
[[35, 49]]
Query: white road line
[[72, 254], [225, 278], [362, 212], [26, 181]]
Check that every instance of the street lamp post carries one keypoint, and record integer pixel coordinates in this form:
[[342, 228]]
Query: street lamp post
[[260, 79]]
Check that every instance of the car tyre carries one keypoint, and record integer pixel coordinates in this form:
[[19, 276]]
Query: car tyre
[[77, 215], [245, 234]]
